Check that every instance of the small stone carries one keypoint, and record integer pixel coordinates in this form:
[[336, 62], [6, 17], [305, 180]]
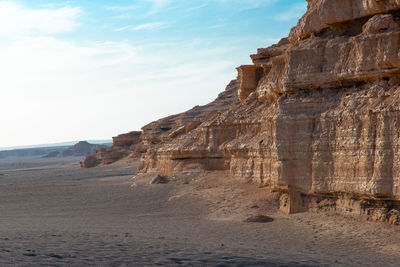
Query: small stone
[[259, 219], [159, 179]]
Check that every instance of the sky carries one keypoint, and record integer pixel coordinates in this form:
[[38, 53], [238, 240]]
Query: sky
[[78, 70]]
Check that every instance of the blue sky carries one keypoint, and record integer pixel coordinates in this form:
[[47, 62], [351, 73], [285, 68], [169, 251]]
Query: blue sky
[[76, 70]]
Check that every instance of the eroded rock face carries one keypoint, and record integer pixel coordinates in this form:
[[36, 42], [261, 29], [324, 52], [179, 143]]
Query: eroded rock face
[[338, 16], [248, 75], [161, 135], [123, 145], [158, 133], [318, 117]]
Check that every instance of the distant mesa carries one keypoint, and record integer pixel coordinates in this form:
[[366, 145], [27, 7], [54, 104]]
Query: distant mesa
[[30, 152], [82, 148]]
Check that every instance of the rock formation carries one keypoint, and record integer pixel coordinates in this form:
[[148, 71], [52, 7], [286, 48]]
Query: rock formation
[[81, 148], [123, 146], [318, 117], [157, 133]]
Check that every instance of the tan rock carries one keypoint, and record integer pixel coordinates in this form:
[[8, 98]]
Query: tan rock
[[123, 146], [159, 179], [325, 15], [380, 23], [90, 161], [318, 117], [248, 75], [128, 139]]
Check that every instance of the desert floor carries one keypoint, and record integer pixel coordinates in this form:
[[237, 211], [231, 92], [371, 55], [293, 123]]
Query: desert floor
[[52, 213]]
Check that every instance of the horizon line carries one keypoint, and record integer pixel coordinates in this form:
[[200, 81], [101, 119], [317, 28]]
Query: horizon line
[[57, 144]]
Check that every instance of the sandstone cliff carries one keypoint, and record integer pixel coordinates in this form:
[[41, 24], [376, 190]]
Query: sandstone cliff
[[123, 146], [316, 117], [157, 133]]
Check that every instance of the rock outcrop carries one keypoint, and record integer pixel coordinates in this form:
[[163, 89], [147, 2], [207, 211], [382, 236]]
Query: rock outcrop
[[163, 131], [318, 117], [123, 146], [157, 133]]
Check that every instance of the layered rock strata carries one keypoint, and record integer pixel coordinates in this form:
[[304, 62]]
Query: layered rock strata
[[157, 133], [318, 117], [123, 145], [160, 132]]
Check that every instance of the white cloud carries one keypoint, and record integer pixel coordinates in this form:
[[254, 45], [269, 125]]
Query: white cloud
[[191, 9], [122, 8], [123, 16], [55, 90], [158, 4], [17, 19], [295, 12], [245, 4], [153, 7], [144, 26], [150, 26], [216, 26], [123, 28]]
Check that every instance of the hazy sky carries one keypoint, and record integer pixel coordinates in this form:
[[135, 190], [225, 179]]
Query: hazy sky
[[77, 70]]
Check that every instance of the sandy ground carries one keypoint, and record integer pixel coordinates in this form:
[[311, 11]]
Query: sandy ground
[[52, 213]]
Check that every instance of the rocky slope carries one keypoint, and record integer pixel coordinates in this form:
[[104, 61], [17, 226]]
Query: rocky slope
[[318, 117]]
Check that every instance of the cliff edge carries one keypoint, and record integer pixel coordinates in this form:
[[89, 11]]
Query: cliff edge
[[316, 116]]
